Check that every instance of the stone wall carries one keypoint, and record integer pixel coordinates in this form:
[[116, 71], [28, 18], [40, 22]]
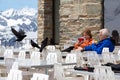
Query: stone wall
[[45, 24], [75, 16]]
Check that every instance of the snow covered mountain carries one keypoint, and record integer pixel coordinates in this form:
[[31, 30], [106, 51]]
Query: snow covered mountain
[[25, 19]]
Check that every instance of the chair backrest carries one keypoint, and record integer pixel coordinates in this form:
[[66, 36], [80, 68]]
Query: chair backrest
[[80, 59], [93, 58], [15, 65], [35, 57], [8, 53], [58, 71], [70, 58], [21, 55], [9, 62], [105, 49], [50, 48], [59, 55], [118, 53], [108, 57], [51, 58], [103, 73], [15, 75], [2, 50], [116, 49], [39, 76]]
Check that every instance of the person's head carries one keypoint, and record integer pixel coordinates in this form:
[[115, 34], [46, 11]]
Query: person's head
[[87, 34], [115, 36], [115, 33], [103, 34]]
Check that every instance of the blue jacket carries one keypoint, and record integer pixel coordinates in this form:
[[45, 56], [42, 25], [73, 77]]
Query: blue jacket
[[98, 47]]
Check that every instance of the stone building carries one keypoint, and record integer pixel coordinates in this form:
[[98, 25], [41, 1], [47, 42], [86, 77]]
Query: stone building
[[64, 20]]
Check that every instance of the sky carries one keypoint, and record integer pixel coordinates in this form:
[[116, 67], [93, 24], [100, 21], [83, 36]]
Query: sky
[[17, 4]]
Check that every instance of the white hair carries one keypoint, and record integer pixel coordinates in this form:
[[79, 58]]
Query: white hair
[[105, 32]]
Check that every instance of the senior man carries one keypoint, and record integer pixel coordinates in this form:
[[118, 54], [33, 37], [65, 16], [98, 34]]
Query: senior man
[[105, 41]]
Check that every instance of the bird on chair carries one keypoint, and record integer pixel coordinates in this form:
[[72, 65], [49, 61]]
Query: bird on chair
[[52, 42], [20, 35]]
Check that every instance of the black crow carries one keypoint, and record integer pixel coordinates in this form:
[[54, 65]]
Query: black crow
[[34, 44], [20, 35], [44, 44], [52, 42]]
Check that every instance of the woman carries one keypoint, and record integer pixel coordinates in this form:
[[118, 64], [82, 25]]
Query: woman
[[83, 41], [86, 41]]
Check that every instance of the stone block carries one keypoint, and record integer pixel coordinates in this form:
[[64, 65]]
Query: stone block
[[73, 16], [65, 11], [92, 1], [92, 8], [66, 1]]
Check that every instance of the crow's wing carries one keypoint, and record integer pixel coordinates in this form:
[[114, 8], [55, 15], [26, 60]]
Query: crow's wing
[[45, 40], [43, 44], [15, 32], [21, 32], [34, 44]]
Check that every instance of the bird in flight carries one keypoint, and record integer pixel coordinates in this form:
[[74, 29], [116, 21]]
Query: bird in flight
[[19, 34], [34, 44], [44, 44]]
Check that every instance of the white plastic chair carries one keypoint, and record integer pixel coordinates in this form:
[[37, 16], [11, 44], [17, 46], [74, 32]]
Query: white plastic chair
[[21, 55], [59, 55], [105, 49], [15, 66], [51, 58], [9, 62], [116, 49], [108, 57], [35, 57], [70, 58], [118, 54], [59, 73], [39, 76], [103, 73], [93, 58], [50, 48], [80, 60], [119, 51], [15, 75], [8, 53]]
